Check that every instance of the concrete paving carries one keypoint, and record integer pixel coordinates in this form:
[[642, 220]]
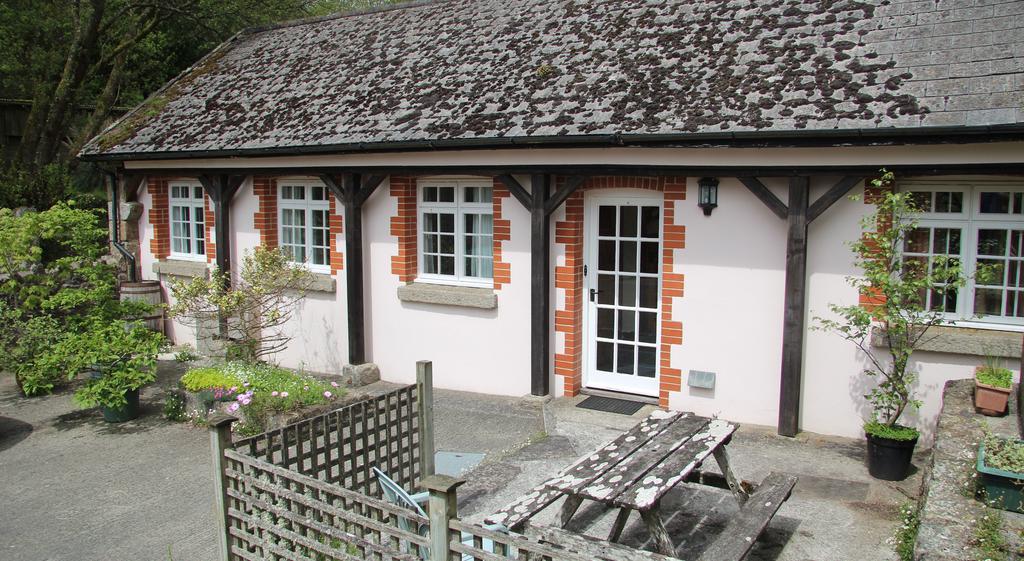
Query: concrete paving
[[75, 488]]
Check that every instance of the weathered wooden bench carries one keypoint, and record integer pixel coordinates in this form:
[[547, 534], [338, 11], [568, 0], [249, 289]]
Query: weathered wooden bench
[[738, 537]]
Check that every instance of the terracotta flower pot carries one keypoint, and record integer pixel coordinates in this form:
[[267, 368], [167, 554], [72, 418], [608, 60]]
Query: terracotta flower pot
[[990, 400]]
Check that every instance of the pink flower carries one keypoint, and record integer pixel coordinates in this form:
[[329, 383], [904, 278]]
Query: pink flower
[[245, 401], [274, 393], [245, 384], [233, 389], [284, 394], [335, 384], [233, 407], [328, 395]]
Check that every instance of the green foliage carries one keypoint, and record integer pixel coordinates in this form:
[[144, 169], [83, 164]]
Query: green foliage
[[1004, 453], [39, 189], [208, 378], [261, 390], [257, 307], [174, 407], [998, 377], [905, 537], [124, 354], [56, 290], [901, 287], [988, 540], [185, 354], [893, 432]]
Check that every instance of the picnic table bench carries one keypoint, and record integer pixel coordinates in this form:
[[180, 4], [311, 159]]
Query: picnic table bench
[[638, 468]]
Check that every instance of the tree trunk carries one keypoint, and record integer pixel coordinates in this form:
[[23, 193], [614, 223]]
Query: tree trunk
[[103, 105], [75, 66]]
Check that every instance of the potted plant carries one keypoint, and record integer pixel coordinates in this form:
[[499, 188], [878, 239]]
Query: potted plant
[[1001, 472], [898, 290], [992, 386], [122, 358]]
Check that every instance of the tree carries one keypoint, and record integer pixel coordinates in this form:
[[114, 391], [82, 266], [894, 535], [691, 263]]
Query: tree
[[256, 310], [899, 288]]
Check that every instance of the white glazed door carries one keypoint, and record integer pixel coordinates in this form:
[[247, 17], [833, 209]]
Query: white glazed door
[[622, 293]]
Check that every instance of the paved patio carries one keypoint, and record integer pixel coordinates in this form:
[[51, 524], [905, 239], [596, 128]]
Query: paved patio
[[75, 488]]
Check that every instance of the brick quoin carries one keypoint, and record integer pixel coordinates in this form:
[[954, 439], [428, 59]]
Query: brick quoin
[[871, 299], [159, 218], [265, 218], [208, 222], [502, 233], [403, 227], [334, 223], [569, 279]]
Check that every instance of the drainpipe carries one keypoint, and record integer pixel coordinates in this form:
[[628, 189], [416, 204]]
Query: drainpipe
[[115, 226]]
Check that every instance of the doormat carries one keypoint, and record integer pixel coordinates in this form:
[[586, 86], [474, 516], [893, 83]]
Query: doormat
[[610, 405]]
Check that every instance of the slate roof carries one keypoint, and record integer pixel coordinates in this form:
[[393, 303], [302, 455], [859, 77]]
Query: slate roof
[[532, 69]]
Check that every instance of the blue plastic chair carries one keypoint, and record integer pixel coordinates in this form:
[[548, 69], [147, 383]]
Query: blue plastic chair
[[396, 495]]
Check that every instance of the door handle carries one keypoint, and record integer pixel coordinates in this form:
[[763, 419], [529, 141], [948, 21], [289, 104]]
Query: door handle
[[593, 293]]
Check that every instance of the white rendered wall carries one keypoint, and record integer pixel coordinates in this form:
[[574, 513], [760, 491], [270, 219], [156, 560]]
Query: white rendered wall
[[475, 350], [318, 326]]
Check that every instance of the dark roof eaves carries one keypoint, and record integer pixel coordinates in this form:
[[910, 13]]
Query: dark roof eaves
[[789, 138]]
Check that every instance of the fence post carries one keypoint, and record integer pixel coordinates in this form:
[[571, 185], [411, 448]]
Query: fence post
[[220, 440], [425, 401], [442, 508]]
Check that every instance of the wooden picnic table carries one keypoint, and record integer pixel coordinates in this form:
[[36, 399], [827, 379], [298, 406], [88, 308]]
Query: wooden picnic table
[[638, 468]]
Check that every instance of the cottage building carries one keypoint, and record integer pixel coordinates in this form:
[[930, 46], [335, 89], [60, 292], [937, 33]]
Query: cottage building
[[561, 196]]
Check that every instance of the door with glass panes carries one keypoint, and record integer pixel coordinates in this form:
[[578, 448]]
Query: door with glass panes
[[622, 280]]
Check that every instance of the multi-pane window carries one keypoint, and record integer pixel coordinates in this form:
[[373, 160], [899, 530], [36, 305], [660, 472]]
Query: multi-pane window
[[188, 226], [980, 225], [456, 231], [305, 235]]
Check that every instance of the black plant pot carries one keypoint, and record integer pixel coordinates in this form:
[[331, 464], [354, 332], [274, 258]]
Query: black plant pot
[[888, 459], [127, 412]]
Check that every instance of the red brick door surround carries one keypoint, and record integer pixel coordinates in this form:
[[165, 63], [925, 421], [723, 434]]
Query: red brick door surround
[[569, 279]]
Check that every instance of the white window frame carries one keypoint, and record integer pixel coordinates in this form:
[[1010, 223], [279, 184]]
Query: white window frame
[[307, 205], [970, 220], [195, 229], [460, 208]]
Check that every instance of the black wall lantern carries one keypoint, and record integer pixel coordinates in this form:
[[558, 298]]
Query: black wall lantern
[[707, 198]]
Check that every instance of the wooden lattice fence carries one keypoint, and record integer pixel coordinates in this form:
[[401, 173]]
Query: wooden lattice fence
[[342, 445], [305, 492]]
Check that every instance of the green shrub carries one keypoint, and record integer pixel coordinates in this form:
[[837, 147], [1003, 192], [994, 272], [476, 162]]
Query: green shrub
[[989, 541], [995, 376], [1004, 454], [261, 390], [905, 537], [208, 378], [174, 407], [185, 354], [123, 353], [894, 432]]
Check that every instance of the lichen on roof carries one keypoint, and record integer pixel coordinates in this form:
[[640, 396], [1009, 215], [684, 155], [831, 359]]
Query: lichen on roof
[[535, 68]]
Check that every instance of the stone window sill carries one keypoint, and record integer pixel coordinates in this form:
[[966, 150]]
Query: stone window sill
[[180, 268], [323, 282], [963, 341], [447, 295]]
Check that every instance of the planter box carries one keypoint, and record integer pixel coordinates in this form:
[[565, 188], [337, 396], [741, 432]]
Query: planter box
[[991, 400], [1002, 488], [197, 403]]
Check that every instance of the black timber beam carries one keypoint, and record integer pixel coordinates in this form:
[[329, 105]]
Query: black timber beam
[[798, 214], [221, 188], [352, 190], [541, 203]]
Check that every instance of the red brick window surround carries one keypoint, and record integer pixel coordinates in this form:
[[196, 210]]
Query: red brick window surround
[[405, 264], [569, 279], [159, 218], [265, 219]]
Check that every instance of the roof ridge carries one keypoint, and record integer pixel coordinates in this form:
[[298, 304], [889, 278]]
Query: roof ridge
[[339, 15]]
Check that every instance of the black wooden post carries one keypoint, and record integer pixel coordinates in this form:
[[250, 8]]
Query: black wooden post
[[353, 225], [352, 191], [221, 188], [540, 285], [795, 302]]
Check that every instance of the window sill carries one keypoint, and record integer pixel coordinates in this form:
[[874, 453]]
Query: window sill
[[322, 282], [963, 341], [463, 296], [181, 268]]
